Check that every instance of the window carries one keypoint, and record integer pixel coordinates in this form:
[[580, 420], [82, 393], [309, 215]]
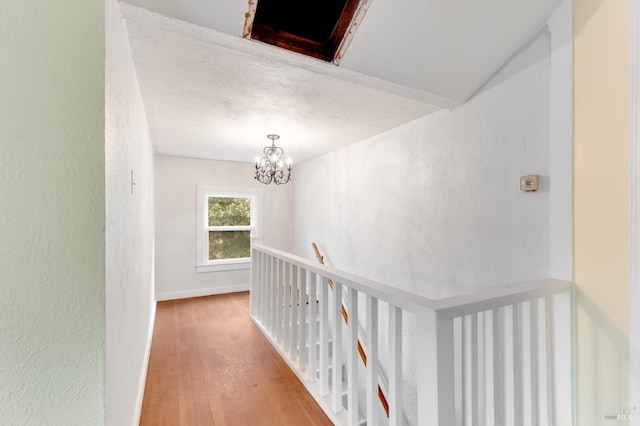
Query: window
[[227, 220], [229, 228]]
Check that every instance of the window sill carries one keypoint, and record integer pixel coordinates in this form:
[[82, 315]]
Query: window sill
[[231, 266]]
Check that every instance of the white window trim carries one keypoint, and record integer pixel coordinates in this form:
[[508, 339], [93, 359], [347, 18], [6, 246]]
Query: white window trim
[[203, 264]]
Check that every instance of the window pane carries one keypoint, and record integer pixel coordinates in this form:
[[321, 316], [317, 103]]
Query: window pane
[[229, 244], [224, 211]]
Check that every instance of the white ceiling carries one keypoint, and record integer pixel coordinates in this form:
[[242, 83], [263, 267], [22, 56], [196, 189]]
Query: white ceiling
[[209, 93]]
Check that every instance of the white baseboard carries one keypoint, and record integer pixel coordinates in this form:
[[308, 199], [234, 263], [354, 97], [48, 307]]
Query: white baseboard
[[145, 366], [201, 292]]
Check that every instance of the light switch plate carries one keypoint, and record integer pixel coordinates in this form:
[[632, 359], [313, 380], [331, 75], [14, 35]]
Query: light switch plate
[[529, 183]]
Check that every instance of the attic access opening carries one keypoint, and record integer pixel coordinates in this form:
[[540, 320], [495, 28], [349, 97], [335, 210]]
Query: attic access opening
[[320, 29]]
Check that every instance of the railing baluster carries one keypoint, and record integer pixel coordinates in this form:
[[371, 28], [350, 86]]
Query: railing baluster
[[509, 362], [518, 410], [551, 409], [372, 360], [337, 348], [535, 406], [286, 306], [302, 318], [525, 340], [264, 293], [293, 342], [465, 367], [474, 369], [260, 285], [543, 363], [276, 297], [482, 370], [352, 381], [498, 368], [324, 337], [273, 299], [312, 338], [281, 299], [395, 366]]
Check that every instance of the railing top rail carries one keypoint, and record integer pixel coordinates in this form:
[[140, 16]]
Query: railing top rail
[[492, 298], [451, 307], [400, 298]]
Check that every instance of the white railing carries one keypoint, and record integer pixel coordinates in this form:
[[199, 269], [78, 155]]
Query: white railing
[[499, 357]]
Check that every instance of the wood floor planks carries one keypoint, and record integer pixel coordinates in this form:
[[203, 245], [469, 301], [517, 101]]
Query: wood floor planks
[[210, 365]]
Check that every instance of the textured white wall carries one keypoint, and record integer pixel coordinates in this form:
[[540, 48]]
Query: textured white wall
[[130, 305], [561, 144], [434, 206], [176, 179], [52, 275]]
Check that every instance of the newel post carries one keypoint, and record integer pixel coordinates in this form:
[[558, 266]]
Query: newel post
[[435, 382]]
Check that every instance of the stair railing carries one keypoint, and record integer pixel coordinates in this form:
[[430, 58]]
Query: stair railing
[[495, 357], [382, 380]]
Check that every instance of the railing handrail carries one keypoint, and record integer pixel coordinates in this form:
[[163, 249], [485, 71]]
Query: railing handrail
[[450, 307], [495, 297], [402, 299]]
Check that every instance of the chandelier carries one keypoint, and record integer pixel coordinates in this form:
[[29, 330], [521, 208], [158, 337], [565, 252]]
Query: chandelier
[[271, 168]]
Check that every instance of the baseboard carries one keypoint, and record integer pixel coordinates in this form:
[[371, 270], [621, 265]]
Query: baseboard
[[201, 292], [145, 365]]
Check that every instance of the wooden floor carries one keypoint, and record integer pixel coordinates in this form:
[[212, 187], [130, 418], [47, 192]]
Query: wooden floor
[[210, 365]]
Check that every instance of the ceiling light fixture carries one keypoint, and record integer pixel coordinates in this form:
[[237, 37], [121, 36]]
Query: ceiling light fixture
[[271, 168]]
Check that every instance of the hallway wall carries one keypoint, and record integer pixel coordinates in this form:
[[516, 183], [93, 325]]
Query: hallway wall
[[52, 213], [130, 305], [434, 206], [176, 181]]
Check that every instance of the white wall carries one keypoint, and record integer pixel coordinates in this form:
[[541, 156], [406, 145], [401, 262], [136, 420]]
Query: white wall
[[176, 180], [561, 144], [52, 275], [434, 207], [130, 306]]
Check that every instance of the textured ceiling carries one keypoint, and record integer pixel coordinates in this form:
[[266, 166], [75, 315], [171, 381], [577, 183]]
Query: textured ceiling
[[210, 93]]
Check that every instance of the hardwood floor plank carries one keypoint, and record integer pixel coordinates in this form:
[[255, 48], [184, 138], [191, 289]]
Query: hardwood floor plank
[[203, 413], [210, 365]]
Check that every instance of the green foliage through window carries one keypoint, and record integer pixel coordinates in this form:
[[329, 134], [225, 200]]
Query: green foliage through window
[[229, 244], [225, 211], [229, 212]]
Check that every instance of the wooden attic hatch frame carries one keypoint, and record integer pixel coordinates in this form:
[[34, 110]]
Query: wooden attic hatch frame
[[322, 29]]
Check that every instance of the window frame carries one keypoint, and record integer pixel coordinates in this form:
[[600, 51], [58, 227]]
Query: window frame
[[203, 263]]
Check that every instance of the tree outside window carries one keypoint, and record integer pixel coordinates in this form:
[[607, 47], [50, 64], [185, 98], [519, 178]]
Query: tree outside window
[[229, 227]]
